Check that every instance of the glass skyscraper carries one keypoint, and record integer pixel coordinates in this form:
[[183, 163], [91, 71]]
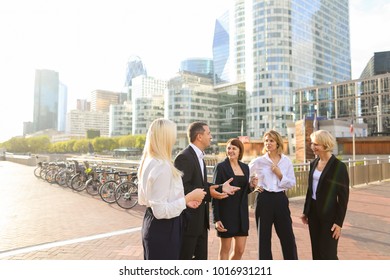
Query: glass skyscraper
[[46, 90], [202, 66], [288, 44]]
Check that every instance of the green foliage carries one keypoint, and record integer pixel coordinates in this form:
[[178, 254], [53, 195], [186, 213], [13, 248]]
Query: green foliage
[[93, 133], [41, 144], [81, 146]]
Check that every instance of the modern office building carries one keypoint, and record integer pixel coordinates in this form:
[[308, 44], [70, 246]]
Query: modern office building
[[361, 101], [120, 118], [202, 66], [46, 100], [231, 111], [102, 99], [135, 68], [62, 106], [147, 102], [221, 51], [288, 44], [377, 65], [83, 105], [190, 97], [79, 122]]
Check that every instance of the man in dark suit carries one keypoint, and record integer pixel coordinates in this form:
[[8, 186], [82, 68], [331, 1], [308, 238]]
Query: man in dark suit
[[190, 162]]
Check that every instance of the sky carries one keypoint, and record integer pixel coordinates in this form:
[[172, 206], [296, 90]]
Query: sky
[[89, 42]]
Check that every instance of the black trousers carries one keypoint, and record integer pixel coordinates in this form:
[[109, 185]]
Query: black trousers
[[195, 247], [323, 245], [161, 238], [272, 208]]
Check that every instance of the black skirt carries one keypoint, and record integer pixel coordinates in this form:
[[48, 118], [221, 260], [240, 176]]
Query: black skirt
[[161, 238]]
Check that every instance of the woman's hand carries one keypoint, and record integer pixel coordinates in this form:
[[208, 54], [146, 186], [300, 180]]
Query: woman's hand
[[304, 219], [194, 198], [336, 231], [219, 226]]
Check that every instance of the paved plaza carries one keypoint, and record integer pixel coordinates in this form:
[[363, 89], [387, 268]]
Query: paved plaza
[[40, 221]]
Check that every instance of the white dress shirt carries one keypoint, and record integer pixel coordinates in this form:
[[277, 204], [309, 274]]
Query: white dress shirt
[[200, 155], [159, 190], [261, 167]]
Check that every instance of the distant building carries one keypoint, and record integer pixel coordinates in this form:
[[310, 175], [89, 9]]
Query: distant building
[[202, 66], [147, 102], [190, 97], [363, 101], [102, 99], [135, 68], [62, 106], [78, 122], [83, 105], [46, 100], [121, 119], [377, 65], [231, 111]]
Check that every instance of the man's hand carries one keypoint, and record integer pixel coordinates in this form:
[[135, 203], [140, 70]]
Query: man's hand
[[215, 194], [227, 188]]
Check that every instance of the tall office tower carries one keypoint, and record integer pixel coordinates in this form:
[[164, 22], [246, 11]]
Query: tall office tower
[[377, 65], [62, 106], [102, 99], [190, 97], [229, 45], [46, 100], [202, 66], [289, 44], [135, 68], [221, 50], [147, 102]]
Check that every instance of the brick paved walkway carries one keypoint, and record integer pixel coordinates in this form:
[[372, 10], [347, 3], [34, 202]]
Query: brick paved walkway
[[39, 221]]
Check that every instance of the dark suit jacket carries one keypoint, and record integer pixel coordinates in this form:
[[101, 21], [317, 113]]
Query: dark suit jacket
[[222, 209], [196, 219], [332, 191]]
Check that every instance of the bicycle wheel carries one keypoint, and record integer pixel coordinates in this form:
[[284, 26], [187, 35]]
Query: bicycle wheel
[[92, 186], [37, 172], [78, 182], [107, 191], [61, 178], [126, 195]]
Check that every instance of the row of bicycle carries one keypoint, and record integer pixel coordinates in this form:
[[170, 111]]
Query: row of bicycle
[[111, 185]]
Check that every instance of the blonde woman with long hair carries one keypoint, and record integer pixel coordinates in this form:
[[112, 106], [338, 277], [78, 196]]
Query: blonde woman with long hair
[[161, 190]]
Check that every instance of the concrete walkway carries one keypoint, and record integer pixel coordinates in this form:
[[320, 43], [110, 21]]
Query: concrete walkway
[[39, 221]]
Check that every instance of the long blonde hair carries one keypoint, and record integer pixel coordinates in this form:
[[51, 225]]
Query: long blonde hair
[[160, 138]]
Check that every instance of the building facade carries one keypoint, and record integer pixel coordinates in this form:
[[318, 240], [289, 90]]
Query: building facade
[[147, 102], [287, 44], [361, 101], [46, 94], [377, 65], [79, 122], [190, 98], [120, 118], [102, 99]]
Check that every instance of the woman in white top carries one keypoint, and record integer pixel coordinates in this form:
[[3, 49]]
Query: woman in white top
[[274, 174], [160, 189]]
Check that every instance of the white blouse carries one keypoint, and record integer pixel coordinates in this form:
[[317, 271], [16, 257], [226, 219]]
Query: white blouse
[[261, 167], [159, 190]]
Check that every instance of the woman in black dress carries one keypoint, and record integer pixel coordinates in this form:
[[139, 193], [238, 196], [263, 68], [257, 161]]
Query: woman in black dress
[[231, 215]]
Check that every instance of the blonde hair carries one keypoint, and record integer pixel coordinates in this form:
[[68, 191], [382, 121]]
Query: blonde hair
[[324, 138], [277, 138], [160, 138]]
